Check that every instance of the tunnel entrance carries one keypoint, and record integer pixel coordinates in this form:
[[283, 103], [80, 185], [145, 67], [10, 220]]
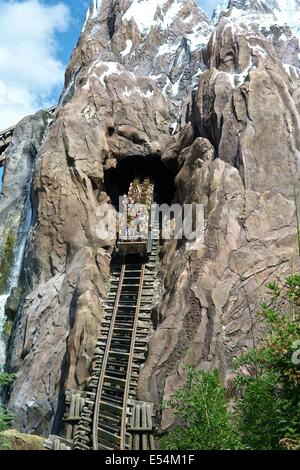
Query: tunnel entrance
[[117, 180]]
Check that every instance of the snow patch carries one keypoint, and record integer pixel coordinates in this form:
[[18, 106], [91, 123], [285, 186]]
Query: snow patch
[[195, 79], [145, 13], [283, 12], [292, 71], [146, 95], [155, 77], [92, 12], [127, 49], [112, 68], [199, 37], [259, 50], [87, 16], [188, 19], [95, 8], [171, 14], [166, 49], [175, 87], [173, 128]]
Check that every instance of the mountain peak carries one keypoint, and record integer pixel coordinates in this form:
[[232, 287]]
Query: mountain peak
[[162, 39], [263, 13], [146, 14]]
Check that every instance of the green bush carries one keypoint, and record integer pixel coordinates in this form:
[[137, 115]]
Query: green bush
[[6, 416], [207, 423], [266, 402], [265, 414], [269, 410], [6, 260]]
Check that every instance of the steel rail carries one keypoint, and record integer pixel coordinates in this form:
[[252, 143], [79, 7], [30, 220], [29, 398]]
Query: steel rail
[[130, 360], [105, 360]]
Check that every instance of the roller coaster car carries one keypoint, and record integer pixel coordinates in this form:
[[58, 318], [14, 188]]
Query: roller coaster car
[[136, 247], [143, 194], [133, 248]]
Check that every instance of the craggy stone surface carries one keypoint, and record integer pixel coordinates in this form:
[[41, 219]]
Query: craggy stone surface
[[243, 169], [18, 441], [240, 97], [115, 110], [233, 146], [19, 160], [211, 295]]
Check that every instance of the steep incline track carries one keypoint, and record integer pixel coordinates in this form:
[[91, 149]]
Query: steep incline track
[[114, 381], [110, 407]]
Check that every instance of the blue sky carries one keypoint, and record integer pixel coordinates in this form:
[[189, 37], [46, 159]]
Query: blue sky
[[36, 40], [78, 10]]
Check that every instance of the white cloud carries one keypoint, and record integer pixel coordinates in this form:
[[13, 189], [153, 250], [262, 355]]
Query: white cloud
[[29, 67]]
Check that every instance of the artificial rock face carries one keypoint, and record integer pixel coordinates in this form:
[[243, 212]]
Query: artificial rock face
[[243, 73], [214, 102], [19, 161]]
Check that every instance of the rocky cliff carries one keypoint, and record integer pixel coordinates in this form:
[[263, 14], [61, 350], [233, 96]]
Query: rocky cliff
[[217, 103]]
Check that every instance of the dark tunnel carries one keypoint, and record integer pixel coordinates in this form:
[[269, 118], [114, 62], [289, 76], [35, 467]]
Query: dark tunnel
[[117, 180]]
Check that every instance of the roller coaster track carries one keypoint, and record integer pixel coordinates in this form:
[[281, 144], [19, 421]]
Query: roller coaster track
[[110, 408]]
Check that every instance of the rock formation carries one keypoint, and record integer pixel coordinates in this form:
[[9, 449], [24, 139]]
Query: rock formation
[[218, 105], [18, 441], [19, 166]]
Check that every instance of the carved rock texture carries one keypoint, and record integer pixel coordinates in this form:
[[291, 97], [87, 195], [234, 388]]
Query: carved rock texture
[[114, 111], [20, 160], [243, 168], [217, 105]]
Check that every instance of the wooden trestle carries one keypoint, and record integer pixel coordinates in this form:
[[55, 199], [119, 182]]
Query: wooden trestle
[[111, 417]]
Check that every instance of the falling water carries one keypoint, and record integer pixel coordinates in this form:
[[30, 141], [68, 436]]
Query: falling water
[[3, 300], [17, 265]]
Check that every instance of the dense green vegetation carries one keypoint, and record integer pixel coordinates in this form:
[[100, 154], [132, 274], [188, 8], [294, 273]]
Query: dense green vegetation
[[206, 422], [6, 260], [264, 411], [5, 415]]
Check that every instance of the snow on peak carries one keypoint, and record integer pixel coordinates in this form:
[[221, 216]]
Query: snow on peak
[[289, 13], [148, 13], [101, 70], [220, 8], [180, 26], [92, 12], [128, 48], [265, 13], [95, 8]]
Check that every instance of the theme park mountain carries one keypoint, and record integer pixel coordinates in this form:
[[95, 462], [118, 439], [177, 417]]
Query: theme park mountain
[[153, 86]]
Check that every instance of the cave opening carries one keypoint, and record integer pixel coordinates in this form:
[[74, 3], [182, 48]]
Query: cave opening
[[117, 180]]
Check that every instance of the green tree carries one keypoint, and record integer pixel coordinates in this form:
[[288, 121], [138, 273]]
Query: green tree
[[269, 408], [201, 406], [6, 416]]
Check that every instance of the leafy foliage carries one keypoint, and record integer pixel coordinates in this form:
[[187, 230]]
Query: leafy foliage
[[202, 406], [6, 379], [269, 410], [6, 416], [6, 260], [265, 411]]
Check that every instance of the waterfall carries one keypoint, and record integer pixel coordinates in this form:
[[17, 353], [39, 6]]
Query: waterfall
[[3, 300], [17, 265]]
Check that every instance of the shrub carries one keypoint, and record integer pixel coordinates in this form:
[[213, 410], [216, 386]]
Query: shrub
[[6, 261], [6, 416], [269, 410], [266, 405], [207, 424]]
